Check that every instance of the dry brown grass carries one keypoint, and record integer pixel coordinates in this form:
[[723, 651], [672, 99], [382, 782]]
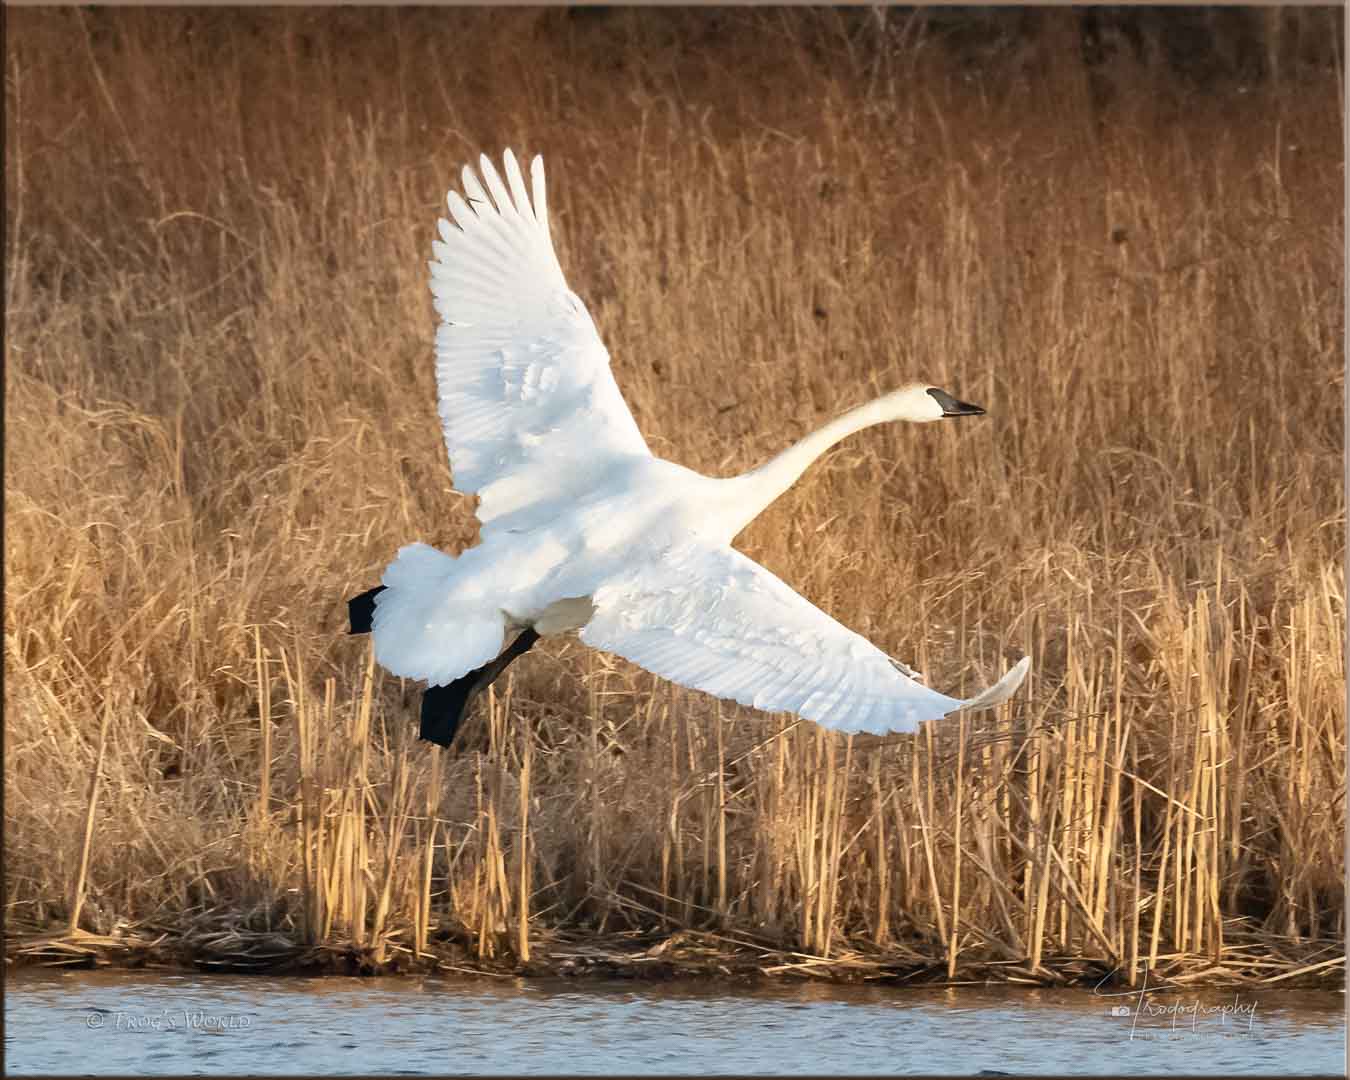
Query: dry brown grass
[[220, 422]]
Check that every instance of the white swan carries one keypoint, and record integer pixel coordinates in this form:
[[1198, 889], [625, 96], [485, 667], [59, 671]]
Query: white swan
[[582, 528]]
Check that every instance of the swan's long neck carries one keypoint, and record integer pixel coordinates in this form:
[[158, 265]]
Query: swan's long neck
[[752, 492]]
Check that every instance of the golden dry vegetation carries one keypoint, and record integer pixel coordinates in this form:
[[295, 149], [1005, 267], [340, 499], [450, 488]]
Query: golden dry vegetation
[[220, 423]]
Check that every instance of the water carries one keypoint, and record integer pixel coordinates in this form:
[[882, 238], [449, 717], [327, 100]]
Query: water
[[139, 1023]]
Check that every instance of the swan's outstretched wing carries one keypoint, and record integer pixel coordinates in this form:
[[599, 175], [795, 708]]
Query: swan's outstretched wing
[[711, 619], [529, 404]]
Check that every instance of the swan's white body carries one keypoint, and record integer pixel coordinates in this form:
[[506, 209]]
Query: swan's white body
[[582, 528]]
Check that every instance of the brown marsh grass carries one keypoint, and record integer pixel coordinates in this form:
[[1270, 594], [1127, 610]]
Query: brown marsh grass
[[220, 423]]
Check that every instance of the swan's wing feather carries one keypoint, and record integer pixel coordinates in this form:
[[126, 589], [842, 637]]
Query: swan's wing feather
[[709, 618], [528, 402]]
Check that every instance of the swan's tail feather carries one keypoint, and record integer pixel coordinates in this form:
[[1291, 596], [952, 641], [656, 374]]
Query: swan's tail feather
[[421, 626]]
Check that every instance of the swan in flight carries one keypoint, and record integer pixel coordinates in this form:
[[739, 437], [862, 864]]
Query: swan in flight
[[584, 529]]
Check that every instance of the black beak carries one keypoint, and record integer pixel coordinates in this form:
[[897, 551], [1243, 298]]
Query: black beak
[[952, 407]]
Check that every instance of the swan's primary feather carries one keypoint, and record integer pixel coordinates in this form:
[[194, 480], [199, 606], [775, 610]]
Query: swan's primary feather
[[529, 405]]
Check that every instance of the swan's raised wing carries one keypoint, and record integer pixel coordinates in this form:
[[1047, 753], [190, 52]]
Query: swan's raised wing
[[529, 405], [711, 619]]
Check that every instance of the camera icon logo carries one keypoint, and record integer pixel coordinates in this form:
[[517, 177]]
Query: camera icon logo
[[1118, 1010]]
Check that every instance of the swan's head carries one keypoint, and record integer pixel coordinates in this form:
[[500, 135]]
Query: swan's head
[[920, 403]]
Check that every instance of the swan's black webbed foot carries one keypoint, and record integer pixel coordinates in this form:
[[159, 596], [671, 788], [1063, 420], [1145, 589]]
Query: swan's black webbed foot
[[361, 610], [443, 706]]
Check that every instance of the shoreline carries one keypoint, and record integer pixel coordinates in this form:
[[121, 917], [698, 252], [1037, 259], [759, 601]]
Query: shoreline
[[682, 955]]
